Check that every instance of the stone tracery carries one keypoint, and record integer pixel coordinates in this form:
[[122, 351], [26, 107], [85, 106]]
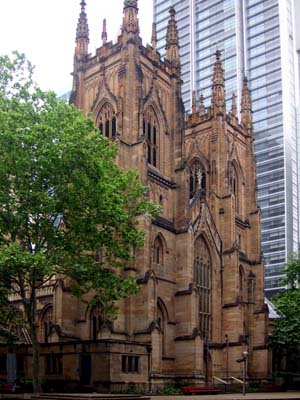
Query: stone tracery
[[107, 121]]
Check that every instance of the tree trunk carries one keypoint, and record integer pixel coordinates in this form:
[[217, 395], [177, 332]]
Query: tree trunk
[[35, 360]]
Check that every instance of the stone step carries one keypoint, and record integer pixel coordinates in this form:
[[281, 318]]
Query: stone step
[[87, 396]]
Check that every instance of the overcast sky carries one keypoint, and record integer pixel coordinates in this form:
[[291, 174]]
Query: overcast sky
[[45, 31]]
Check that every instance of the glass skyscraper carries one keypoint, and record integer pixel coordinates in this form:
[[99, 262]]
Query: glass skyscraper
[[256, 38]]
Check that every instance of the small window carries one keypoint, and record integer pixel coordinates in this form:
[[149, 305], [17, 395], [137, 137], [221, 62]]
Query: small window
[[130, 364], [251, 288], [53, 365], [158, 251]]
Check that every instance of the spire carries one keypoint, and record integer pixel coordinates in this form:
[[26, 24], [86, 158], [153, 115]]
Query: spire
[[202, 107], [154, 36], [172, 41], [194, 102], [130, 3], [130, 19], [218, 78], [104, 33], [246, 111], [82, 32], [233, 105], [218, 91]]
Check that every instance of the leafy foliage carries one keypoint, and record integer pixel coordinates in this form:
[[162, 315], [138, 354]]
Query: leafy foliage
[[63, 200], [286, 330]]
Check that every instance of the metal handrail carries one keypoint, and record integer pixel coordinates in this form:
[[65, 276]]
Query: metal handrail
[[220, 380], [237, 380]]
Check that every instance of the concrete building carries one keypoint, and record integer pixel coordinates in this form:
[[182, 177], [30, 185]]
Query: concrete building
[[256, 38]]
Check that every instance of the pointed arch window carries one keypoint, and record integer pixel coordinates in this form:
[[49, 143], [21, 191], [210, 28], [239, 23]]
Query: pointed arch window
[[158, 251], [107, 121], [151, 133], [161, 321], [46, 324], [202, 277], [241, 283], [214, 171], [96, 321], [197, 180], [234, 184], [251, 287]]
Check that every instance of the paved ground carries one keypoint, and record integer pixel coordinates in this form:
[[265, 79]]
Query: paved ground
[[233, 396]]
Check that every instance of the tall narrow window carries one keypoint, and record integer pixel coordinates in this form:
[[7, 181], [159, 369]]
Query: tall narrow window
[[197, 180], [202, 277], [107, 128], [151, 133], [161, 320], [251, 287], [46, 323], [234, 186], [158, 251], [241, 283], [114, 127], [107, 121], [96, 321], [213, 172]]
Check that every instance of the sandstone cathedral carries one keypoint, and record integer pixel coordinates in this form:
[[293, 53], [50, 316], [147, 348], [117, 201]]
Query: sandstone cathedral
[[200, 272]]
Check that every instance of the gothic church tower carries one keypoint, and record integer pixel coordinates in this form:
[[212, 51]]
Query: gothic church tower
[[201, 274]]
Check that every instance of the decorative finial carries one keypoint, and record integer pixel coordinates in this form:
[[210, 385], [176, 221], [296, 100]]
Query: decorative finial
[[172, 40], [154, 36], [233, 105], [130, 3], [194, 102], [82, 32], [130, 19], [104, 32], [83, 4], [172, 32], [218, 91], [172, 11], [218, 78], [202, 107], [246, 111]]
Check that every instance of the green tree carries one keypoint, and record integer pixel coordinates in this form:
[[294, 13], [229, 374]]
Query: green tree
[[62, 200], [286, 329]]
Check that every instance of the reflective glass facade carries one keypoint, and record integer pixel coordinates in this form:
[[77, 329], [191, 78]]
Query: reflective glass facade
[[256, 38]]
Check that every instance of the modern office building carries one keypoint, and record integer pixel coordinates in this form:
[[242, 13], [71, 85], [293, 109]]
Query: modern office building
[[297, 35], [256, 38]]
